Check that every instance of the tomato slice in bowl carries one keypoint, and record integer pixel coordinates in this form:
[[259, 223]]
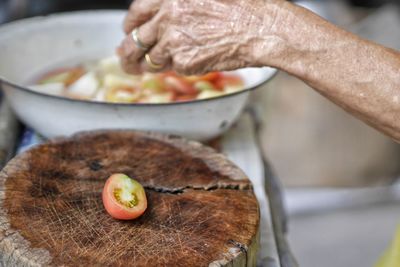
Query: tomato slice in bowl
[[123, 197], [228, 80], [179, 85]]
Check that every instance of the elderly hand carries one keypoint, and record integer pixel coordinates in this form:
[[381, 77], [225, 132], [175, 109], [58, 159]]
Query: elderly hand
[[198, 36]]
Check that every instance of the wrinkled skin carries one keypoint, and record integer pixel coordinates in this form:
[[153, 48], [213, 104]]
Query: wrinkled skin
[[197, 36]]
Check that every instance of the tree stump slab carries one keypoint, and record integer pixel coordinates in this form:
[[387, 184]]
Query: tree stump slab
[[201, 208]]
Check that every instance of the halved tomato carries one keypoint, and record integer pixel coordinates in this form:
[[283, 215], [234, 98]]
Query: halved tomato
[[123, 197]]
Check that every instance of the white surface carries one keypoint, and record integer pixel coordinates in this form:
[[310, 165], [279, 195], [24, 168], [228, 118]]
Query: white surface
[[351, 237], [240, 146], [308, 200]]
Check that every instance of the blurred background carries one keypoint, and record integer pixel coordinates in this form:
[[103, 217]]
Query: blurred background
[[340, 176], [14, 9]]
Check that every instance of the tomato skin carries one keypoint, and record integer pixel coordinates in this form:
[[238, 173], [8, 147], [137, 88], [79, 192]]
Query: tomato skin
[[211, 76], [182, 98], [115, 208], [228, 80], [71, 75], [179, 85]]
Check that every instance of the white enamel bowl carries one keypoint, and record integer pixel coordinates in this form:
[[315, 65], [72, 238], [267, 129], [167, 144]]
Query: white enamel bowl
[[32, 46]]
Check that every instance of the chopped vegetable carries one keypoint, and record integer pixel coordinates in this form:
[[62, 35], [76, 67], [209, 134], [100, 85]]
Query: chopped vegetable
[[182, 98], [110, 65], [86, 86], [56, 78], [124, 198], [64, 76], [212, 76], [105, 81], [204, 85], [179, 85], [228, 80], [152, 82], [209, 94], [159, 98], [49, 88], [122, 95], [112, 80]]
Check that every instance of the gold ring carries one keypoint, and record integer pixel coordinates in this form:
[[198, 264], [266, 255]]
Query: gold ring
[[137, 41], [151, 63]]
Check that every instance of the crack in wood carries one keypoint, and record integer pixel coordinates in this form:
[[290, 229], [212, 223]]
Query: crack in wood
[[181, 190]]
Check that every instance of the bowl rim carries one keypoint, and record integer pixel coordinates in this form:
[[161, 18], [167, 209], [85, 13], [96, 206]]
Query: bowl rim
[[3, 80], [29, 91]]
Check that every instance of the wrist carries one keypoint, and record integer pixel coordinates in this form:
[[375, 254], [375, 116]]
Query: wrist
[[274, 35], [293, 35]]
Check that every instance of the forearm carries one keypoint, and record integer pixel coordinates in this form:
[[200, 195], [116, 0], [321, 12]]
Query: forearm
[[362, 77]]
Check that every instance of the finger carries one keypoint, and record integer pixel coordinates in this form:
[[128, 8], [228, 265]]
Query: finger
[[158, 55], [139, 12], [131, 53]]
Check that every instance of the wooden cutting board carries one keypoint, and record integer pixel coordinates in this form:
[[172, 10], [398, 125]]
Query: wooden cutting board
[[202, 210]]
